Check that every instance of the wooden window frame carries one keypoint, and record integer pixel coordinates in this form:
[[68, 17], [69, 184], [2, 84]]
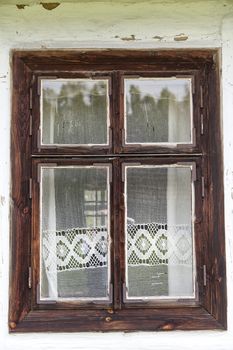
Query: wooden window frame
[[209, 312]]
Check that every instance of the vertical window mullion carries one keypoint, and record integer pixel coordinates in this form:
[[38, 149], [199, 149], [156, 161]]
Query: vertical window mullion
[[117, 233], [116, 112]]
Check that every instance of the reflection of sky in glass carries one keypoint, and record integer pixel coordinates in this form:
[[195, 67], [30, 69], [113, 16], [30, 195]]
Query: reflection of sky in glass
[[154, 87]]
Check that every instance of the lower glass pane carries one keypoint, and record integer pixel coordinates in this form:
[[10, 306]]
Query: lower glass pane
[[74, 233], [159, 252]]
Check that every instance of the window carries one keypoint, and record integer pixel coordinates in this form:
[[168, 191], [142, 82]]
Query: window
[[117, 191]]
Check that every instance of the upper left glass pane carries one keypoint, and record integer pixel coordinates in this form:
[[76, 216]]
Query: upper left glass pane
[[74, 112]]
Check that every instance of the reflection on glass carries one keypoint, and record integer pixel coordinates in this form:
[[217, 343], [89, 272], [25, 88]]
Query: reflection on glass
[[158, 110], [74, 111], [159, 252], [74, 233]]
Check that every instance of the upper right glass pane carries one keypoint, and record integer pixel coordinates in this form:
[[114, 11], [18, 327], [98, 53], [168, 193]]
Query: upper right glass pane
[[158, 110]]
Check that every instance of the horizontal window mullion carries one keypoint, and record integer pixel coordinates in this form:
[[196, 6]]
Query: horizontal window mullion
[[109, 157]]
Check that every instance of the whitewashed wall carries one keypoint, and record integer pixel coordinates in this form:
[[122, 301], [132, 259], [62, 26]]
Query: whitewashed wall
[[120, 24]]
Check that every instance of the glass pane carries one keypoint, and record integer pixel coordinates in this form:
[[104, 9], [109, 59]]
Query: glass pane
[[75, 233], [74, 111], [159, 252], [158, 110]]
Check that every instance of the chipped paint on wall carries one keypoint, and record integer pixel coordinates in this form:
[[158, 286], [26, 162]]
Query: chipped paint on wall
[[2, 200], [21, 6], [50, 5], [46, 5], [158, 37], [181, 37], [129, 38], [106, 23]]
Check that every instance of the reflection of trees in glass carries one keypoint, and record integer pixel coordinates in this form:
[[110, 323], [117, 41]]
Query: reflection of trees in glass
[[78, 111], [148, 117], [183, 107]]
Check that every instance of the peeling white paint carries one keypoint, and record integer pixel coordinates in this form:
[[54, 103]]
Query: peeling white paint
[[107, 22], [101, 24], [181, 37]]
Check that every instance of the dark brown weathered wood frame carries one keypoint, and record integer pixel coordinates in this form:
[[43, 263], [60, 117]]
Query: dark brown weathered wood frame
[[209, 312]]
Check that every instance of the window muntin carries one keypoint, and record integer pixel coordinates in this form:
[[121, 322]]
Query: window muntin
[[95, 202], [74, 253], [74, 112], [158, 111], [160, 260]]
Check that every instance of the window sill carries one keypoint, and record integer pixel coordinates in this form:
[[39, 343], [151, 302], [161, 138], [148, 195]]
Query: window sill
[[124, 320]]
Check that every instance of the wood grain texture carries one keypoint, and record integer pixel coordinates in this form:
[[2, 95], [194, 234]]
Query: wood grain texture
[[21, 207], [122, 320], [216, 297], [208, 311]]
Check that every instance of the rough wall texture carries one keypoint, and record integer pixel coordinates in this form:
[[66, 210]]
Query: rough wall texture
[[125, 24]]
